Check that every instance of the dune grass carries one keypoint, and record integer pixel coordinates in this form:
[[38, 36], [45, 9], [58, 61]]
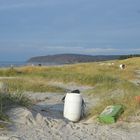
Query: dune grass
[[111, 84], [31, 84], [122, 92], [8, 100], [83, 73]]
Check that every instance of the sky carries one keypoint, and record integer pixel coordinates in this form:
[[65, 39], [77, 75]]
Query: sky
[[43, 27]]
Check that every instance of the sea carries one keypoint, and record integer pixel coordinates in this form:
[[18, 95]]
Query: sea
[[6, 64], [12, 63]]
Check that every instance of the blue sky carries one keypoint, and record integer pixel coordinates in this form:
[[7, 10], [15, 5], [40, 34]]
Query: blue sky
[[41, 27]]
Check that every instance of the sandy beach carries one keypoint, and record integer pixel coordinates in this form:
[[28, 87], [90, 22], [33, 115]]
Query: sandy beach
[[45, 121]]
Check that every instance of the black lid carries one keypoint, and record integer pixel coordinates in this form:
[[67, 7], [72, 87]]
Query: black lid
[[75, 91]]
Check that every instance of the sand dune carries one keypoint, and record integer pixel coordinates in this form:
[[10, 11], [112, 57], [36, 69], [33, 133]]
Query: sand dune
[[44, 121]]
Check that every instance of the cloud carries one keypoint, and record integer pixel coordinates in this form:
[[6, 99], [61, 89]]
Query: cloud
[[100, 50], [40, 47], [87, 50], [113, 50], [24, 51], [12, 4], [20, 4]]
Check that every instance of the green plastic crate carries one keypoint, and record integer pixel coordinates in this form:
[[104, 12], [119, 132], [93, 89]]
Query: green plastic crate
[[111, 114]]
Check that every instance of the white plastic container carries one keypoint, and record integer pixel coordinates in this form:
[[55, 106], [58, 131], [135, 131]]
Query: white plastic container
[[73, 107]]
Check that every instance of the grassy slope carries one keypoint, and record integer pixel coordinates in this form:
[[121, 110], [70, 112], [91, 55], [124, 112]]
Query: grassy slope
[[8, 100], [111, 84]]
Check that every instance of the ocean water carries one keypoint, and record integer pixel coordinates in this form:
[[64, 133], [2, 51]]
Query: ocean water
[[12, 63], [20, 63]]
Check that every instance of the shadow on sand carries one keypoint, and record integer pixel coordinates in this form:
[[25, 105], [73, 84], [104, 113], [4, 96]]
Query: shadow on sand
[[54, 111]]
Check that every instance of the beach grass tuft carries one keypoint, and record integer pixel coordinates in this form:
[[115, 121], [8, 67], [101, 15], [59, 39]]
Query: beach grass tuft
[[8, 100]]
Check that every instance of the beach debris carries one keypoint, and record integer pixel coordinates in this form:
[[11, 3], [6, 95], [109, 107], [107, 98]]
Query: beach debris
[[74, 106], [39, 64], [111, 113], [107, 64], [73, 91], [122, 66], [11, 66], [137, 98], [76, 91]]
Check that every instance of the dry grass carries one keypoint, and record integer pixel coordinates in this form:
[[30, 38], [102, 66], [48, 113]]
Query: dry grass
[[7, 100], [82, 73], [111, 84], [122, 92], [30, 84]]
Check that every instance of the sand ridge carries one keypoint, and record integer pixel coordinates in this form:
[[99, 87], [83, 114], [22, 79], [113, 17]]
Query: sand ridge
[[45, 121]]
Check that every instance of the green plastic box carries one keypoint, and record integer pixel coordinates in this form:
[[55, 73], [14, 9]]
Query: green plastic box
[[111, 114]]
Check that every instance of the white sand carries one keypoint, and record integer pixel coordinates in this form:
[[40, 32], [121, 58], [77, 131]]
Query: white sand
[[45, 122]]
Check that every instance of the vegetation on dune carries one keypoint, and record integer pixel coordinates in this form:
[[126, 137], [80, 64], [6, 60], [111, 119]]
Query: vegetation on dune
[[7, 100], [122, 92], [111, 84], [9, 72], [31, 84], [77, 72], [129, 56]]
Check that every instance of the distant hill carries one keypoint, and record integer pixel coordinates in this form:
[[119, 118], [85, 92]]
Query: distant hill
[[70, 58]]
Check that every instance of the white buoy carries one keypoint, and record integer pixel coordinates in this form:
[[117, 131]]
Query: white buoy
[[73, 107]]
